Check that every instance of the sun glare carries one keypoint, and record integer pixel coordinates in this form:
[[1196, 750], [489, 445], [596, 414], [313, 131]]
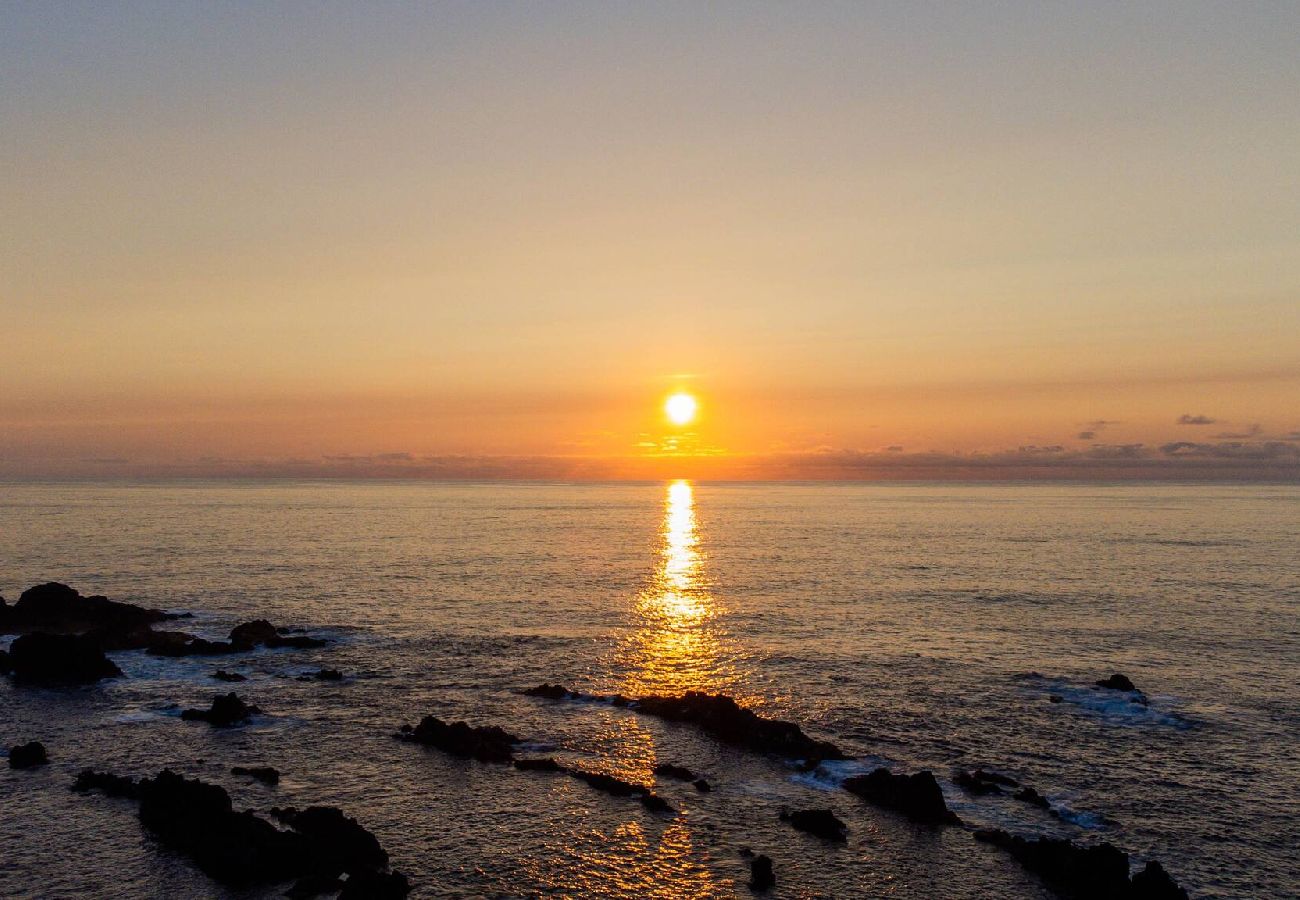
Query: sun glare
[[680, 408]]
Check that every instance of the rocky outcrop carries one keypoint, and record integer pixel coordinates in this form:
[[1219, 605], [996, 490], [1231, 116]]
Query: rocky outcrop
[[1032, 797], [981, 783], [226, 710], [322, 848], [484, 743], [262, 633], [264, 774], [41, 658], [57, 608], [1117, 682], [1098, 872], [549, 691], [680, 773], [821, 822], [28, 756], [761, 876], [916, 796], [222, 675]]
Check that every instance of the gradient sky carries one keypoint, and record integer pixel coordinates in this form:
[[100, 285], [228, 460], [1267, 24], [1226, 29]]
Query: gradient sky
[[297, 231]]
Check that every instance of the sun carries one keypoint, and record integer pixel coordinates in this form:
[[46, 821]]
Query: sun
[[680, 408]]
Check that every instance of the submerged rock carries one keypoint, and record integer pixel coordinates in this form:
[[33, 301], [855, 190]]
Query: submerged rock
[[328, 675], [41, 658], [226, 710], [485, 743], [761, 877], [27, 756], [617, 787], [1032, 797], [1099, 872], [702, 786], [262, 633], [916, 796], [981, 782], [55, 607], [821, 822], [191, 646], [264, 774], [549, 691], [222, 675], [112, 785], [547, 764]]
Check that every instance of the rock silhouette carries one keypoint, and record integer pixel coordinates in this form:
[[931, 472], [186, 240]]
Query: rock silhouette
[[41, 658], [222, 675], [980, 782], [761, 877], [57, 608], [260, 632], [821, 822], [27, 756], [197, 820], [226, 710], [1099, 872], [264, 774], [486, 743], [680, 773], [1117, 682], [916, 796]]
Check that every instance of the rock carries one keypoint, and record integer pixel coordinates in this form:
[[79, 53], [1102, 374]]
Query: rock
[[227, 709], [821, 822], [4, 662], [1032, 797], [242, 849], [329, 675], [27, 756], [681, 773], [981, 782], [264, 774], [112, 785], [1154, 883], [297, 642], [761, 877], [655, 803], [192, 646], [222, 675], [617, 787], [55, 607], [486, 744], [549, 691], [1098, 872], [539, 765], [262, 632], [702, 786], [341, 839], [41, 658], [1117, 682], [916, 796], [721, 717]]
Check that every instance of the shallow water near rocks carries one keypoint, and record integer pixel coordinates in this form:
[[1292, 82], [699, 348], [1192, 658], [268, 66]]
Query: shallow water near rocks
[[915, 626]]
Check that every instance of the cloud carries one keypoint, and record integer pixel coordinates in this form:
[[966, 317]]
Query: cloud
[[1189, 419], [1249, 433], [1094, 428]]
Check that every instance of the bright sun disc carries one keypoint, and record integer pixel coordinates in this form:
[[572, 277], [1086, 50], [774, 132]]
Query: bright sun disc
[[680, 408]]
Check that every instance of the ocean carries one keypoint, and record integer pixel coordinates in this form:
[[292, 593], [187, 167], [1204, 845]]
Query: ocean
[[939, 627]]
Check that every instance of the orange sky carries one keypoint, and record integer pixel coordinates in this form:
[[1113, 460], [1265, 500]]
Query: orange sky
[[275, 237]]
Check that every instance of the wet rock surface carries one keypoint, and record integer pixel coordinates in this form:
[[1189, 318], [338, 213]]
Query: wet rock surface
[[222, 675], [58, 608], [1117, 682], [761, 876], [916, 796], [264, 774]]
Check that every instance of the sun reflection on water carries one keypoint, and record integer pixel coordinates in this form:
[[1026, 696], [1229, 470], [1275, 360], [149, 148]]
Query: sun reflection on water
[[678, 644]]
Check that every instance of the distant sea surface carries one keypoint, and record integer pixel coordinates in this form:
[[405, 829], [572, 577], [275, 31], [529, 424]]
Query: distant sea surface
[[916, 626]]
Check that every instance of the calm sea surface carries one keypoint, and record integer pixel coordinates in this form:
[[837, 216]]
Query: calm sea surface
[[921, 626]]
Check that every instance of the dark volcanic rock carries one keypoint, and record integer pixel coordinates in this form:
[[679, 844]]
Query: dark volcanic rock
[[338, 837], [193, 646], [681, 773], [549, 691], [547, 764], [702, 786], [328, 675], [727, 721], [821, 822], [41, 658], [27, 756], [916, 796], [370, 885], [486, 743], [222, 675], [761, 877], [981, 782], [262, 632], [56, 607], [1099, 872], [227, 709], [264, 774], [1117, 682]]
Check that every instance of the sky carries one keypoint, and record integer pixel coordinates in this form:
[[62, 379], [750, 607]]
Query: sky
[[487, 239]]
